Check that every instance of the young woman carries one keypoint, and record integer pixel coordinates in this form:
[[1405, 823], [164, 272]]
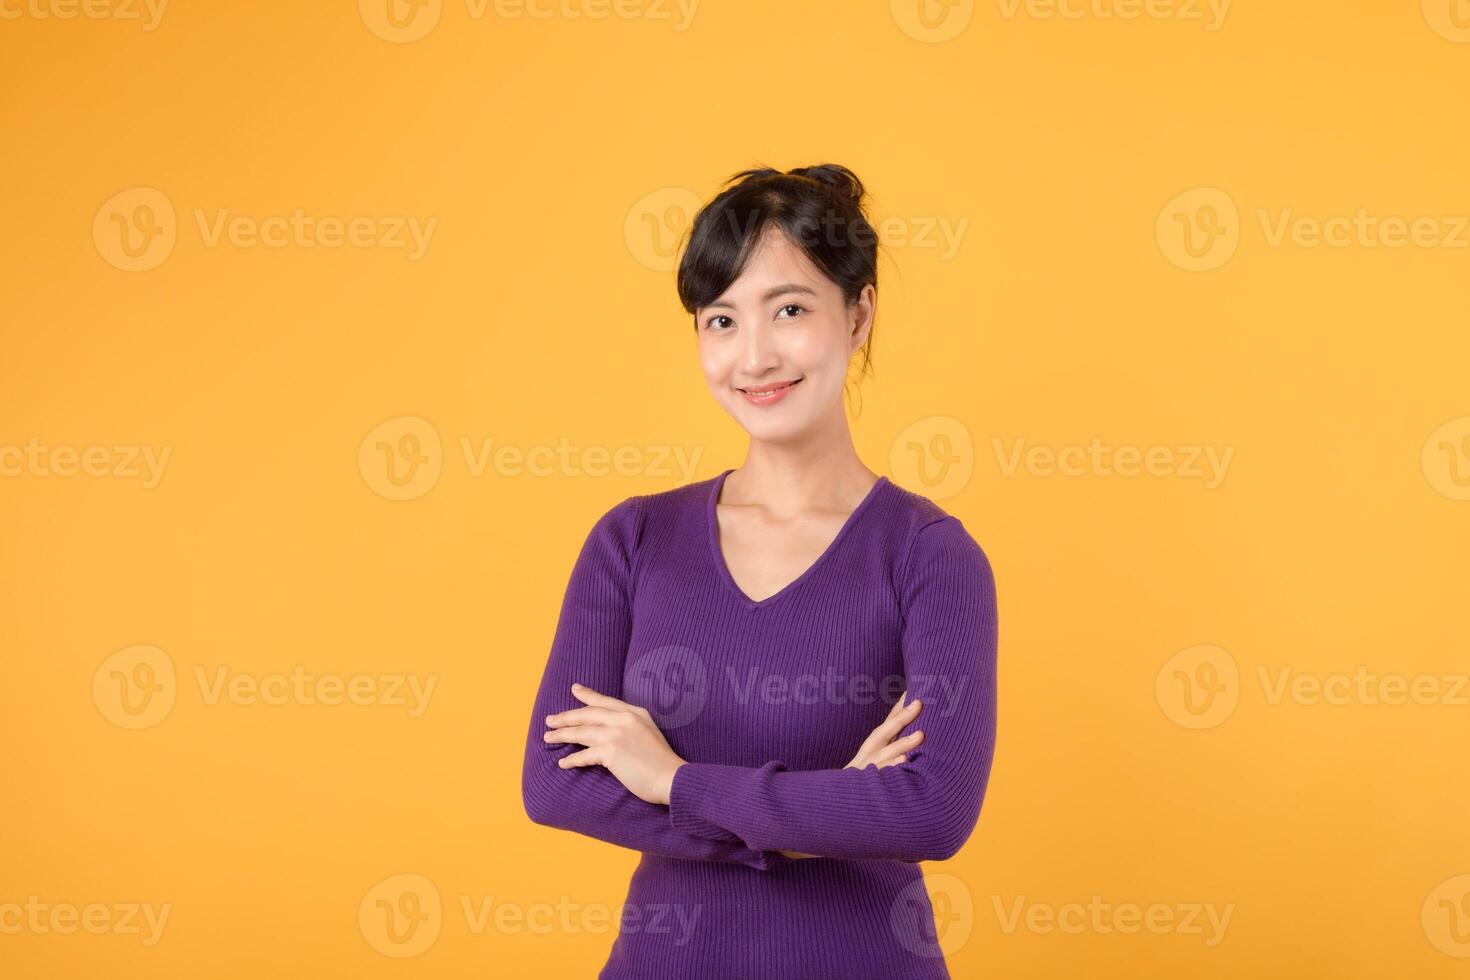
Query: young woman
[[724, 647]]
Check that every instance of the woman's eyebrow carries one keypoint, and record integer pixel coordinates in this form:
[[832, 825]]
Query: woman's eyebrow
[[772, 293]]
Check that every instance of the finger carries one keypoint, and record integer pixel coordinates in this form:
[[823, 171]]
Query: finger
[[897, 705], [890, 727], [587, 757], [897, 748], [588, 696], [898, 716], [885, 732], [872, 743], [580, 716], [578, 734]]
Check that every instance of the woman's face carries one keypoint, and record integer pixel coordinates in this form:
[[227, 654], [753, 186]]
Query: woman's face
[[784, 328]]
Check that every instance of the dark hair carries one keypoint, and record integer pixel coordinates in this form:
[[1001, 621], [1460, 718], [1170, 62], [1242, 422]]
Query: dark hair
[[819, 208]]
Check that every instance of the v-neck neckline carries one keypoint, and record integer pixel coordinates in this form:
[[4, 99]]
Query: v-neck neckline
[[716, 552]]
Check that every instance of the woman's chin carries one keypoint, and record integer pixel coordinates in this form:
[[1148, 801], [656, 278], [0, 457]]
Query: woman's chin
[[768, 428]]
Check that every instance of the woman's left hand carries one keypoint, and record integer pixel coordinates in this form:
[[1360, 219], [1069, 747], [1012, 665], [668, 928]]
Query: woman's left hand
[[619, 736]]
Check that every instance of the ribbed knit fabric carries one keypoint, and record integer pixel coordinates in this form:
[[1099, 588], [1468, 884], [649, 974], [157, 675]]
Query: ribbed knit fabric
[[768, 701]]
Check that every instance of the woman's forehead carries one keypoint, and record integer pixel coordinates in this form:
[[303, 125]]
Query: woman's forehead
[[776, 258]]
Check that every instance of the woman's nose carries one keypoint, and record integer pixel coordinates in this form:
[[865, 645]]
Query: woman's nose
[[759, 349]]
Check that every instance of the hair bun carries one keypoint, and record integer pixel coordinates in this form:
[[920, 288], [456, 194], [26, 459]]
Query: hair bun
[[844, 182]]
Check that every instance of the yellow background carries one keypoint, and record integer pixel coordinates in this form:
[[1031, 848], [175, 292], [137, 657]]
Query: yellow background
[[540, 147]]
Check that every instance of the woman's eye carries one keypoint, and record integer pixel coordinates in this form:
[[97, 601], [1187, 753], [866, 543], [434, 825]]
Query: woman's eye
[[793, 306], [715, 321]]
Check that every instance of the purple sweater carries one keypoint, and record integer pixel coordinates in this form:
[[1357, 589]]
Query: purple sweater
[[768, 701]]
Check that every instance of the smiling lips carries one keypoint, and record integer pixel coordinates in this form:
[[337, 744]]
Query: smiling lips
[[768, 394]]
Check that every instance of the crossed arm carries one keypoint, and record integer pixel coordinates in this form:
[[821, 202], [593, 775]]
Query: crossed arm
[[897, 800], [589, 648]]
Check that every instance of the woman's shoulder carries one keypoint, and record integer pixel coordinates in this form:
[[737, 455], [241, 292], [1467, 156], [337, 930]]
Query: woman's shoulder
[[661, 503], [632, 516], [930, 531]]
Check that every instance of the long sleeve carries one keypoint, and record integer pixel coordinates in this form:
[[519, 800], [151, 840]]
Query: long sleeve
[[590, 647], [923, 809]]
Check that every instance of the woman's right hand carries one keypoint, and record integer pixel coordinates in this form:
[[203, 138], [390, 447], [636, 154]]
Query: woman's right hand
[[881, 749]]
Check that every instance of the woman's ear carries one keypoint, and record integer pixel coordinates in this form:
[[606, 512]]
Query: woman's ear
[[862, 315]]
